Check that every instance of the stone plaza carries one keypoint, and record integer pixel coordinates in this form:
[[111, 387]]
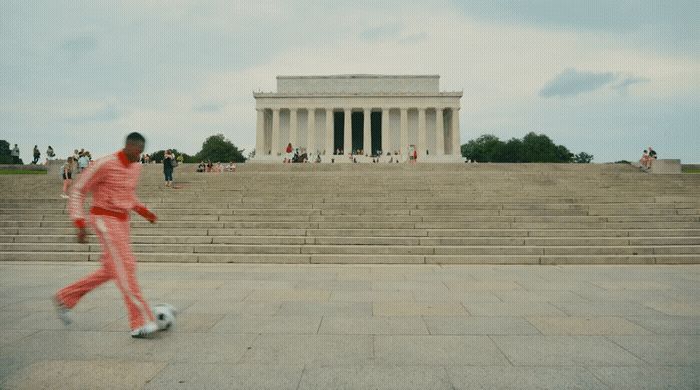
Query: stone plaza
[[270, 326]]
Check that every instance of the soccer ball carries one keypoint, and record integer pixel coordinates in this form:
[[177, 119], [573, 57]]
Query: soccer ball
[[165, 315]]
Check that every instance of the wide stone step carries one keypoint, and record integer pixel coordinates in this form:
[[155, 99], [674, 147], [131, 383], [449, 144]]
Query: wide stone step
[[369, 250], [370, 241], [214, 221], [361, 259]]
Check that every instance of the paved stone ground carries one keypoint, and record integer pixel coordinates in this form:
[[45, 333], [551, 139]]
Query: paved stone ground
[[357, 327]]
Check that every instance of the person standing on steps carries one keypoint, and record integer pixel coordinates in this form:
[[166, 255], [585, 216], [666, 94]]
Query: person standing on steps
[[68, 168], [168, 167], [112, 180], [37, 154], [15, 154]]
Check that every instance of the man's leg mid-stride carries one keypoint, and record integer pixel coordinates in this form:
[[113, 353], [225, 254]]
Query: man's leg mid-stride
[[118, 263]]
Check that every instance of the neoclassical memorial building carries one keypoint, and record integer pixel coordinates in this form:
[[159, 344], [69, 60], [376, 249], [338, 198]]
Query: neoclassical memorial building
[[365, 114]]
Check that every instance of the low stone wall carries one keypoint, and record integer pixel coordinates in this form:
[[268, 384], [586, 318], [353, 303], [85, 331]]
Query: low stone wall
[[666, 166], [30, 167]]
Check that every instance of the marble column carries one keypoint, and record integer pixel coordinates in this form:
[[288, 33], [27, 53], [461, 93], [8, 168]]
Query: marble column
[[293, 127], [260, 133], [456, 146], [347, 140], [422, 144], [367, 135], [329, 132], [403, 148], [439, 132], [311, 131], [275, 132], [386, 134]]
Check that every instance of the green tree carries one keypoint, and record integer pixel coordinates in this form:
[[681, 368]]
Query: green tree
[[532, 148], [219, 149], [583, 158], [511, 151], [481, 149], [158, 156], [5, 156]]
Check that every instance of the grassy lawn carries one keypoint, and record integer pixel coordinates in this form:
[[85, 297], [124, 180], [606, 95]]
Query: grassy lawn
[[690, 170], [21, 172]]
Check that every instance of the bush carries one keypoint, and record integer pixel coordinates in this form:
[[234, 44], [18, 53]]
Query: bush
[[219, 149], [5, 155], [159, 155], [532, 148]]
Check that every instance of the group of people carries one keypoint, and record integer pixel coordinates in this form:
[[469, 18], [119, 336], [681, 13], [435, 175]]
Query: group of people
[[300, 156], [75, 164], [36, 154], [218, 167], [648, 157], [295, 155]]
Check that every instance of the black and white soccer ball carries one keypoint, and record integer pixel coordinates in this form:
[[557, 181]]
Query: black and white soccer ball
[[165, 315]]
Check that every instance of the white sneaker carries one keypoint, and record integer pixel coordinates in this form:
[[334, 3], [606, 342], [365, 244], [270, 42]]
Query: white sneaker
[[62, 311], [145, 331], [64, 196]]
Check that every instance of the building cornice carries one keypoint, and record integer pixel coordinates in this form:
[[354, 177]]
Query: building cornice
[[362, 95], [362, 76]]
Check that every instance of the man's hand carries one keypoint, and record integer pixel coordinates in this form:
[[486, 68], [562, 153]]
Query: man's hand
[[146, 213], [82, 235]]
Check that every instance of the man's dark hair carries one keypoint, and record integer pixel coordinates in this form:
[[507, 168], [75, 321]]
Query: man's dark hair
[[135, 137]]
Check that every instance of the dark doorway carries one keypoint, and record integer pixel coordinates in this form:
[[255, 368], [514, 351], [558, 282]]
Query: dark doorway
[[376, 131], [358, 135], [338, 129]]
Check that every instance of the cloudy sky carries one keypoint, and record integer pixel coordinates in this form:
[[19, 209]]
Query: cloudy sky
[[602, 76]]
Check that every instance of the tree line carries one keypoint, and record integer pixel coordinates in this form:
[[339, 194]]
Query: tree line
[[533, 148], [487, 148], [216, 148]]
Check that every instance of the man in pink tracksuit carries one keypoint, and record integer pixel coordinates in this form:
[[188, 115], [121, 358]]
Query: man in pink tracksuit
[[112, 181]]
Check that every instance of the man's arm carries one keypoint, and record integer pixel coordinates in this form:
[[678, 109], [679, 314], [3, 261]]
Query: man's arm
[[85, 183], [141, 210]]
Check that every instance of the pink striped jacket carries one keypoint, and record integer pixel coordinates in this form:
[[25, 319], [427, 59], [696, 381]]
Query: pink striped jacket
[[112, 181]]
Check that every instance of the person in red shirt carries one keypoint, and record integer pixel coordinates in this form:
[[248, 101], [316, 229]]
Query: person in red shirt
[[112, 181]]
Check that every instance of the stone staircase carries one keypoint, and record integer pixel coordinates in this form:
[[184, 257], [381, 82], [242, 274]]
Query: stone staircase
[[381, 213]]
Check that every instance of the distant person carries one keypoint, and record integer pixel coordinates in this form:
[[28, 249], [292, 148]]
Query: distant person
[[83, 162], [289, 151], [112, 180], [50, 153], [168, 167], [652, 155], [645, 160], [67, 171], [14, 153], [37, 154]]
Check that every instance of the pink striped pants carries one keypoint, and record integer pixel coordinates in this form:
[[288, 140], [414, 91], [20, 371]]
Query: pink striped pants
[[118, 264]]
